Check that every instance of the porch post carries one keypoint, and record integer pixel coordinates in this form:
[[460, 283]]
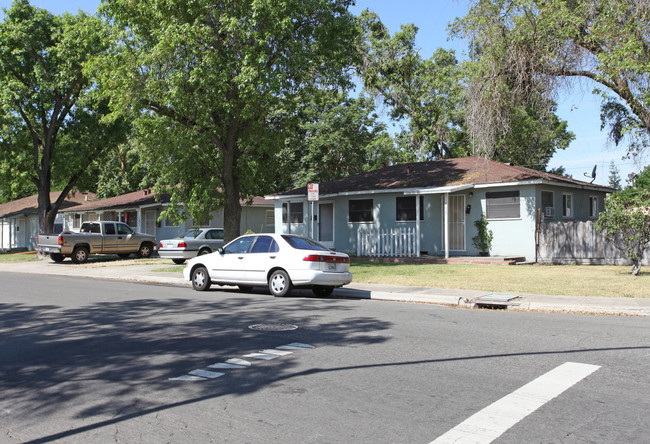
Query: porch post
[[417, 225], [446, 225]]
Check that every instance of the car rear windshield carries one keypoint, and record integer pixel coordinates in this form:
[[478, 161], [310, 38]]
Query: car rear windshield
[[194, 233], [301, 243]]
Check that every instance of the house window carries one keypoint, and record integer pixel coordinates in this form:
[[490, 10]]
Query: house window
[[502, 205], [270, 218], [360, 210], [548, 210], [292, 212], [130, 218], [76, 223], [567, 205], [593, 207], [405, 208]]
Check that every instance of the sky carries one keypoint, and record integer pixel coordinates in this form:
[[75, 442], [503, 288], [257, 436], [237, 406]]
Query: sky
[[578, 107]]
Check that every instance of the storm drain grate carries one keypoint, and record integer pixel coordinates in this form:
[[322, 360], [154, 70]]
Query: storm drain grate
[[273, 327]]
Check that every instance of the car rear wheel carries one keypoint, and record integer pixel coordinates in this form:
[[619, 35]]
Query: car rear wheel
[[200, 279], [204, 251], [279, 283], [80, 255], [57, 257], [178, 261], [322, 292]]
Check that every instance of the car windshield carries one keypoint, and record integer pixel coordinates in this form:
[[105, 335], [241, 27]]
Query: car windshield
[[302, 243], [192, 234]]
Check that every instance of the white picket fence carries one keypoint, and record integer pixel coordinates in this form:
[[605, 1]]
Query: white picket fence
[[395, 242]]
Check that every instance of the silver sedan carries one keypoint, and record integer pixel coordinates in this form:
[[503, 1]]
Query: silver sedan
[[194, 242]]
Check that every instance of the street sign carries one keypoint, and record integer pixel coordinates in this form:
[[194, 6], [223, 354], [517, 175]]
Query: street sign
[[312, 192]]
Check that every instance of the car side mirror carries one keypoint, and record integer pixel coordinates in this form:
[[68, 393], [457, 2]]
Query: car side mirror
[[220, 250]]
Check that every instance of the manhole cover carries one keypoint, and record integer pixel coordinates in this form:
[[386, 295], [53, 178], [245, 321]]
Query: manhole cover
[[273, 327]]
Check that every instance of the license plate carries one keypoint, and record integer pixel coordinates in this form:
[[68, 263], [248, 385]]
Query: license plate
[[331, 267]]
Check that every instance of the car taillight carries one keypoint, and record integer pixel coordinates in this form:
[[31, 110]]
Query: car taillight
[[321, 258], [160, 245], [182, 245], [60, 240]]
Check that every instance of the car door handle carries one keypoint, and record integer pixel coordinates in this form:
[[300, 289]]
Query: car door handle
[[272, 257], [240, 257]]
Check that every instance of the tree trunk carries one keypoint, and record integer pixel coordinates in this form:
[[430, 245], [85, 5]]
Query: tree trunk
[[636, 268], [231, 188]]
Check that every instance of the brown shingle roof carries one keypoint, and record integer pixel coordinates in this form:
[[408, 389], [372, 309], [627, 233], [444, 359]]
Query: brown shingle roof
[[128, 200], [140, 198], [29, 205], [436, 173]]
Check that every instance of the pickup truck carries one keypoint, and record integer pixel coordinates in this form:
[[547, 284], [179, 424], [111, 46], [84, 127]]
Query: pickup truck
[[96, 238]]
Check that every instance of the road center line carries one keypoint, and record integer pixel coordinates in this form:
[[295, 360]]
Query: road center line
[[487, 425]]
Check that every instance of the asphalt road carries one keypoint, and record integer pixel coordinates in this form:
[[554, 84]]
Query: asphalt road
[[86, 360]]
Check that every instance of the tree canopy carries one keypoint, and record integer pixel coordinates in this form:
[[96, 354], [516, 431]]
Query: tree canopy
[[527, 49], [51, 130], [210, 77]]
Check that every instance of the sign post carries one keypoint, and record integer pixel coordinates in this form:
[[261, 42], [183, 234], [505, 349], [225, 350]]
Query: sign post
[[312, 196]]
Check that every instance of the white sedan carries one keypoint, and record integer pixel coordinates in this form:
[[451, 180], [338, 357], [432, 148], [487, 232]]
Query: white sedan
[[279, 261]]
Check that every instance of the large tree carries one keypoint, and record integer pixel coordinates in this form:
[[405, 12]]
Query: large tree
[[425, 93], [211, 75], [431, 96], [334, 135], [52, 132], [527, 49]]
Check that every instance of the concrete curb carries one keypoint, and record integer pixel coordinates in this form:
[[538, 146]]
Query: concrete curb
[[451, 297]]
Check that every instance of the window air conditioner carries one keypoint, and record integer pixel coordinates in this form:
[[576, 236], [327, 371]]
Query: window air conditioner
[[549, 212]]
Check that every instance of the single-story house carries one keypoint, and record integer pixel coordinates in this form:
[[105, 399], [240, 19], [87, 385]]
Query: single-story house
[[19, 219], [142, 209], [374, 213]]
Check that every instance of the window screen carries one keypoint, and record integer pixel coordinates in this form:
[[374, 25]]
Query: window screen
[[502, 204]]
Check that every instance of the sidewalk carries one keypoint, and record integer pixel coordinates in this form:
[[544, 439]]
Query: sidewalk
[[121, 270]]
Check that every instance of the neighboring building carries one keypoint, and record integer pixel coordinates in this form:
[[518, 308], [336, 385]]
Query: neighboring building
[[19, 220], [374, 213], [142, 210]]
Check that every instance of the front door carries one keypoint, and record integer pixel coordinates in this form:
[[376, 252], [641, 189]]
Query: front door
[[326, 224], [456, 222]]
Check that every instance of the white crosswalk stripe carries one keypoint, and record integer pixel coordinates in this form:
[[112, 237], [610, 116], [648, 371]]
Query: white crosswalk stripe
[[238, 363]]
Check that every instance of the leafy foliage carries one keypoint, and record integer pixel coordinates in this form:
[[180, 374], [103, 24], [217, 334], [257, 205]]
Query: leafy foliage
[[614, 178], [483, 239], [527, 48], [626, 223], [211, 78], [332, 136], [51, 131], [426, 92]]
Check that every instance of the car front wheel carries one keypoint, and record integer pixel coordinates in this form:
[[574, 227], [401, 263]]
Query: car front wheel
[[145, 251], [178, 261], [200, 279], [279, 283]]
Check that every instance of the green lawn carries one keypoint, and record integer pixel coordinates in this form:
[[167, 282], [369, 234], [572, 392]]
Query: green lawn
[[567, 280]]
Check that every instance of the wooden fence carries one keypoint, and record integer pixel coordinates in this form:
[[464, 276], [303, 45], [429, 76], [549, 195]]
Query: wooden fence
[[396, 242], [577, 243]]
